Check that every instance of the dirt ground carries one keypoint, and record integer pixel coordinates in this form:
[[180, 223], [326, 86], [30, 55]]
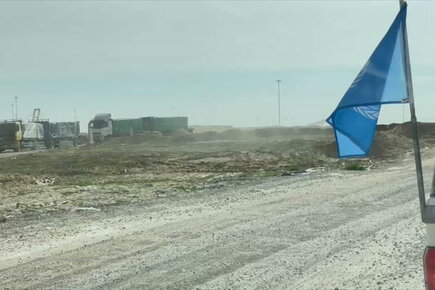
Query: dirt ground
[[143, 168], [322, 230], [259, 208]]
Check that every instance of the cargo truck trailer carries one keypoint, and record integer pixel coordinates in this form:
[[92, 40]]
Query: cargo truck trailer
[[103, 126]]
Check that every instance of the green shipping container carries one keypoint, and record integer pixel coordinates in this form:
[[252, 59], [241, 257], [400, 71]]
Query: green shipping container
[[167, 124], [127, 127]]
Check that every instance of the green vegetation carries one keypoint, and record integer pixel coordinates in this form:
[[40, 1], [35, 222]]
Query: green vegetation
[[355, 166]]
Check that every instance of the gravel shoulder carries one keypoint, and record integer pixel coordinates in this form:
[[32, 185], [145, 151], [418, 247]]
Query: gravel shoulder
[[10, 153], [324, 230]]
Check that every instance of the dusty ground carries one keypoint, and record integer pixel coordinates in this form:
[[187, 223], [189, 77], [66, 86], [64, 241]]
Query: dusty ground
[[325, 230], [142, 168], [216, 212]]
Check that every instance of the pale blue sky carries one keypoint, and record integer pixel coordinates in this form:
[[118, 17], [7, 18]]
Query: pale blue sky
[[214, 61]]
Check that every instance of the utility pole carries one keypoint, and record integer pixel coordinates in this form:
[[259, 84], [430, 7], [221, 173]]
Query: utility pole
[[16, 108], [75, 115], [279, 103], [12, 108]]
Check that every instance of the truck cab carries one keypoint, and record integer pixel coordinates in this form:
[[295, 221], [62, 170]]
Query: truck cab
[[100, 128], [11, 135]]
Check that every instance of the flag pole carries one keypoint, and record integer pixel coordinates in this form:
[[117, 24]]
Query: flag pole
[[414, 127]]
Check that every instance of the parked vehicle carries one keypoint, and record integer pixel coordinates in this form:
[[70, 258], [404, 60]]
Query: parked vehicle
[[127, 127], [64, 131], [33, 135], [103, 126], [164, 125], [99, 128], [11, 134], [46, 133]]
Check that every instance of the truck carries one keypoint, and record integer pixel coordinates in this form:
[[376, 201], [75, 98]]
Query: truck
[[33, 131], [127, 127], [44, 133], [64, 131], [100, 128], [46, 129], [11, 135], [33, 135], [164, 125], [103, 126]]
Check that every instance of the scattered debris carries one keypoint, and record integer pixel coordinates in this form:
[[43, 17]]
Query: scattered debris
[[44, 181], [86, 209]]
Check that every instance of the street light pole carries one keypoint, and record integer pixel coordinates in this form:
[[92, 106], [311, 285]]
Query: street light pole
[[279, 103], [12, 109], [16, 107]]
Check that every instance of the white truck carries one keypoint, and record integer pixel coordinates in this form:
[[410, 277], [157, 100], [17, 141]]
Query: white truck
[[100, 128], [33, 135]]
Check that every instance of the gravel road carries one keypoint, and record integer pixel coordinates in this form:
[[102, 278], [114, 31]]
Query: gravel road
[[325, 230], [10, 153]]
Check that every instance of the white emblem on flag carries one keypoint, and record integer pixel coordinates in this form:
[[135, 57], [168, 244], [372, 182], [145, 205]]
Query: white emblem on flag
[[370, 112], [360, 75]]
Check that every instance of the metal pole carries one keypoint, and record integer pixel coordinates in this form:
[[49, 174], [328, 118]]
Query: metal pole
[[403, 114], [432, 193], [279, 103], [12, 108], [414, 124], [16, 108]]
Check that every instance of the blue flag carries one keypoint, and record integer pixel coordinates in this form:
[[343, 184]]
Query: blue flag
[[382, 80]]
